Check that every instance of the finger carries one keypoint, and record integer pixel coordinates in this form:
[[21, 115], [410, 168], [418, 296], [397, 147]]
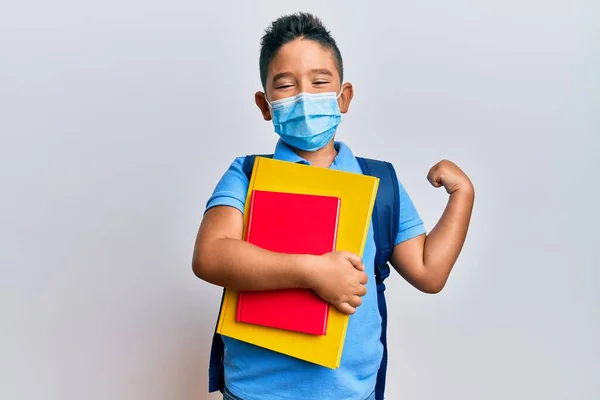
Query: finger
[[435, 179], [362, 290], [363, 278], [346, 308], [355, 261], [431, 173], [431, 176], [355, 301]]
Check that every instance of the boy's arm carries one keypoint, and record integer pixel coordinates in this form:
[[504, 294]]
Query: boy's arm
[[426, 260], [221, 257]]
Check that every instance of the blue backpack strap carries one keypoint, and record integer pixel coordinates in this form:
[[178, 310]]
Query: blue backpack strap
[[385, 229], [216, 372], [249, 163]]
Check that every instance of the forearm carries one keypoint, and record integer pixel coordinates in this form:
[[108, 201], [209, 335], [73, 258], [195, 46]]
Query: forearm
[[238, 265], [446, 239]]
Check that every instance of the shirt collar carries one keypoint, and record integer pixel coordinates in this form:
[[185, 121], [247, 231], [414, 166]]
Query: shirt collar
[[284, 152]]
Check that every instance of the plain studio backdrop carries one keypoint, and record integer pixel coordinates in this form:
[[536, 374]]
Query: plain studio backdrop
[[118, 118]]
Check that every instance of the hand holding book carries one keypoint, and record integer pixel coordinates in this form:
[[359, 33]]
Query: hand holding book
[[339, 278]]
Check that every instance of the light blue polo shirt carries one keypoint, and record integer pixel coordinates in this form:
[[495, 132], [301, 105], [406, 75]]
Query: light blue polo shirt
[[254, 373]]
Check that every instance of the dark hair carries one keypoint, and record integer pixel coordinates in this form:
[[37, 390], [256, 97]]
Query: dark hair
[[289, 28]]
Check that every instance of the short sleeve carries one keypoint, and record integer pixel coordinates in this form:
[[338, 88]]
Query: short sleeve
[[231, 189], [411, 224]]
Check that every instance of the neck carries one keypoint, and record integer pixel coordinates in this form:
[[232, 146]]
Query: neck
[[321, 158]]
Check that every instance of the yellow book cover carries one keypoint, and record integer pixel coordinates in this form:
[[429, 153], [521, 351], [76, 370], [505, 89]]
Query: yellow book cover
[[357, 193]]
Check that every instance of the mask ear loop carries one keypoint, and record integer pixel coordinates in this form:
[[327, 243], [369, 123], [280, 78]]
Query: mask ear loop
[[267, 100], [269, 103], [341, 91]]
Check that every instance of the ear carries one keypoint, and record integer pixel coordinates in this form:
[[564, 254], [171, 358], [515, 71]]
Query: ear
[[346, 97], [261, 102]]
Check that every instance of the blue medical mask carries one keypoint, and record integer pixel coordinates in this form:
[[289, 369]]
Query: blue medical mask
[[307, 121]]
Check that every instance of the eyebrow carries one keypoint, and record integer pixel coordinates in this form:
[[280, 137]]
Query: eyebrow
[[321, 71], [315, 71], [282, 75]]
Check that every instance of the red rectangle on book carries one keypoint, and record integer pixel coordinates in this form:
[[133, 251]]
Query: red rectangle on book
[[293, 224]]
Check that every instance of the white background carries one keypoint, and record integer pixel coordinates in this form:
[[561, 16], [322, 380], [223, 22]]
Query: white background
[[117, 118]]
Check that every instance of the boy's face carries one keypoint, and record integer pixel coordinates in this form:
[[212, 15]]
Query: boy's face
[[303, 66]]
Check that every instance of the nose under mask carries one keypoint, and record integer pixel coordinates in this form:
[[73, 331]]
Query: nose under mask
[[307, 121]]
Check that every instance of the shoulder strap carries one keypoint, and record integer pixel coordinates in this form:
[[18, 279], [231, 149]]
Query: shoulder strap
[[385, 213], [385, 229], [249, 163], [216, 372]]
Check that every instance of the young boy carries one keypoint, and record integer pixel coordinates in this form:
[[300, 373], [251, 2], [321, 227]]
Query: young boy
[[304, 95]]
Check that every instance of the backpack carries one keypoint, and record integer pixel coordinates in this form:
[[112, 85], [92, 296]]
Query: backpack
[[385, 221]]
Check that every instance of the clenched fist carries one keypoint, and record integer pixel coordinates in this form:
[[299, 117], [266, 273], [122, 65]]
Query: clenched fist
[[447, 174]]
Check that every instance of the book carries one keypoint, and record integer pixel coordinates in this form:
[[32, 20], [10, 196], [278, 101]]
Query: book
[[357, 194], [289, 223]]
